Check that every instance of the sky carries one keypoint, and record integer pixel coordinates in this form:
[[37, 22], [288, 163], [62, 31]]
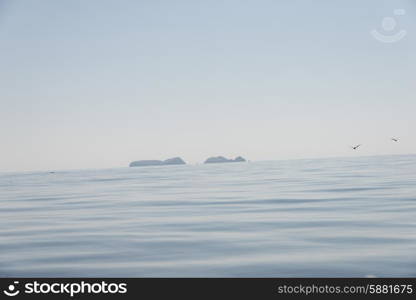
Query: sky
[[98, 83]]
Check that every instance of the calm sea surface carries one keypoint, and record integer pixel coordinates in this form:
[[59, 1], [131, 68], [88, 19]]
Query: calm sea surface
[[322, 217]]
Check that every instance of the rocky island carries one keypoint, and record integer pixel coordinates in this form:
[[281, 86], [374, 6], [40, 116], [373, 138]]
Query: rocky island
[[170, 161], [222, 159]]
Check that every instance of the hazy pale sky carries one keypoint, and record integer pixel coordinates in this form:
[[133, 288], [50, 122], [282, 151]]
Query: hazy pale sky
[[97, 84]]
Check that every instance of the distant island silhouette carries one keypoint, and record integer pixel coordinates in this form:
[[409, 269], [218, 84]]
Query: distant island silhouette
[[222, 159], [170, 161]]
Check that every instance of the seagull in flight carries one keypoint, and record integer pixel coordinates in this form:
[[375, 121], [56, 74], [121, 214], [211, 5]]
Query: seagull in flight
[[355, 147], [395, 139]]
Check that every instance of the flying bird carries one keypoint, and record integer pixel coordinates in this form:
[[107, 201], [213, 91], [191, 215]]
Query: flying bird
[[355, 147], [395, 139]]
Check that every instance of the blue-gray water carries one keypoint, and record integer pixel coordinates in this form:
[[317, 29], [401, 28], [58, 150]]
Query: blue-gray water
[[323, 217]]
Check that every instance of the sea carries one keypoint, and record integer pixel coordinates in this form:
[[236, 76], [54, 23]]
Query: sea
[[335, 217]]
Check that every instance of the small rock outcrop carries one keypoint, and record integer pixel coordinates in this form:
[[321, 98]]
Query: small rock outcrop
[[170, 161], [222, 159], [174, 161], [239, 159]]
